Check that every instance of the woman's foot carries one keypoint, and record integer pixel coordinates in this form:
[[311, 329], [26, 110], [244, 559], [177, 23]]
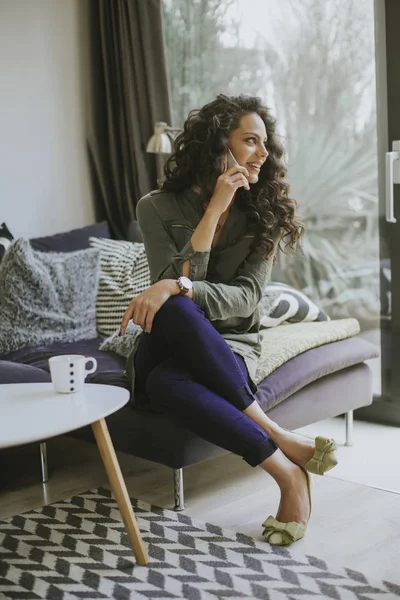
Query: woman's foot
[[294, 510], [297, 448]]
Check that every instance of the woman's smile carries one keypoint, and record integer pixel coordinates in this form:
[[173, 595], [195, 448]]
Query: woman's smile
[[255, 166]]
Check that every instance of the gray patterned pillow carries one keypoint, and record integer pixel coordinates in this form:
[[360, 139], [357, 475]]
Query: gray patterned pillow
[[47, 297]]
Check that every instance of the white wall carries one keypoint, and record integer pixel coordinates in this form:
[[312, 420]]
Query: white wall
[[44, 176]]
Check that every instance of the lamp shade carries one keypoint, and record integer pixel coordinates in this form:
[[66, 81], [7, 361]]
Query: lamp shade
[[160, 142]]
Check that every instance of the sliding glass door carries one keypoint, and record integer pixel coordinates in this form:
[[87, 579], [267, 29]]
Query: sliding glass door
[[323, 68], [386, 406]]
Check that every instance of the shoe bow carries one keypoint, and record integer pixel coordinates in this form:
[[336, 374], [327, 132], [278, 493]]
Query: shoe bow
[[289, 530], [323, 447]]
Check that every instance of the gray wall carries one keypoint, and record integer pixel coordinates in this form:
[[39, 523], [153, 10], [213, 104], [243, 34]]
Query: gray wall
[[44, 176]]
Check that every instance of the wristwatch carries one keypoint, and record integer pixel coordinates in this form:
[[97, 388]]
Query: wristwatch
[[185, 285]]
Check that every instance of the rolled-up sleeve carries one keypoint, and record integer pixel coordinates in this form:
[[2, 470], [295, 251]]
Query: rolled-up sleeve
[[239, 298], [165, 261]]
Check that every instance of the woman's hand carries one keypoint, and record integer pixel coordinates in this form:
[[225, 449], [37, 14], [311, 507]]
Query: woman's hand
[[143, 307], [226, 186]]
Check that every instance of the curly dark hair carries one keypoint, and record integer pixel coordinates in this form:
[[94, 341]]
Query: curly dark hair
[[198, 158]]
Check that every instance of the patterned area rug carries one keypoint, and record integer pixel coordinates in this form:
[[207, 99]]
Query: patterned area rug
[[78, 548]]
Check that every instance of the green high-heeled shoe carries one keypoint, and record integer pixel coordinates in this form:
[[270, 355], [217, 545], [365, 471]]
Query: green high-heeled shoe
[[282, 534], [324, 457]]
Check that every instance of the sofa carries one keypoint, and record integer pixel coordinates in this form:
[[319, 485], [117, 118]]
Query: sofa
[[322, 382]]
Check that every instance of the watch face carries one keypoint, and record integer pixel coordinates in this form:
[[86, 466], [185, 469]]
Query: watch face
[[185, 281]]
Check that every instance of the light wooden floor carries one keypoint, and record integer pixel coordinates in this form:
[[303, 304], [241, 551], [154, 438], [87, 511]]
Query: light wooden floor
[[352, 525]]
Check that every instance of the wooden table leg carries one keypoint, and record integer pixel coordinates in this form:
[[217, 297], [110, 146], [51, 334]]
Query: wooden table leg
[[117, 483]]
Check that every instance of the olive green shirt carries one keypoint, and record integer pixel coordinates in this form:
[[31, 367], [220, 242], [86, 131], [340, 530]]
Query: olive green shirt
[[228, 280]]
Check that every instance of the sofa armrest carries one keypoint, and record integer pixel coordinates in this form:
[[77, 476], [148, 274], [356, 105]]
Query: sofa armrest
[[13, 372]]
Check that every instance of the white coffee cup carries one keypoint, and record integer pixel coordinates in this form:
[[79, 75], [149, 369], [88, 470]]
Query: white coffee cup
[[68, 372]]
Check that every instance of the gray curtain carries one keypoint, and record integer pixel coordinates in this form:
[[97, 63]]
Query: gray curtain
[[129, 93]]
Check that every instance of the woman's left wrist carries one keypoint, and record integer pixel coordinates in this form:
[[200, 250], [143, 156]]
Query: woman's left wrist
[[171, 286]]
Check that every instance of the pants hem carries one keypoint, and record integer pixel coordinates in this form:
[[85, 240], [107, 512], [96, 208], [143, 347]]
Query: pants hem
[[265, 450]]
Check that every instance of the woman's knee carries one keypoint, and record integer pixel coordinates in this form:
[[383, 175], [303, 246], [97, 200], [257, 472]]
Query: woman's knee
[[178, 306]]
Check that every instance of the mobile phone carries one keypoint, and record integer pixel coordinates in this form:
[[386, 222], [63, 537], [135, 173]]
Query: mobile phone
[[231, 161]]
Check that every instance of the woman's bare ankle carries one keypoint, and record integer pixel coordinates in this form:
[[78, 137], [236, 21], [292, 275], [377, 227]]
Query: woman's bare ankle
[[274, 430], [292, 480], [281, 468]]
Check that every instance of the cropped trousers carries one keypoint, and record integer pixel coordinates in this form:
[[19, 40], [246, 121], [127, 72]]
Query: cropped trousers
[[187, 369]]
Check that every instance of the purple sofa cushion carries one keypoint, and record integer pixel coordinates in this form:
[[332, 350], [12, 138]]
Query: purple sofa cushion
[[38, 356], [11, 372], [285, 381], [110, 366], [76, 239]]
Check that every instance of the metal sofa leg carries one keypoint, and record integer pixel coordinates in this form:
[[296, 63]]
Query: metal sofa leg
[[43, 462], [178, 490], [349, 428]]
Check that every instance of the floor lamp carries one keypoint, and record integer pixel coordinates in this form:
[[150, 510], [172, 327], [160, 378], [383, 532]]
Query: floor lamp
[[160, 143]]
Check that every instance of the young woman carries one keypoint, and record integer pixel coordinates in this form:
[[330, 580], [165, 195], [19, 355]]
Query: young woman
[[211, 234]]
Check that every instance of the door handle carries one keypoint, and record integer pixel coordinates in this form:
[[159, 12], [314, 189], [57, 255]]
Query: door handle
[[392, 176]]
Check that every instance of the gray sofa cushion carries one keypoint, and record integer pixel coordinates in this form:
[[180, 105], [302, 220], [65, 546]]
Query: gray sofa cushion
[[312, 365], [47, 297], [326, 397]]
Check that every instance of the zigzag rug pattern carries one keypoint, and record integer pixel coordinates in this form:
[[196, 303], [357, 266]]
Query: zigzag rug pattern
[[78, 548]]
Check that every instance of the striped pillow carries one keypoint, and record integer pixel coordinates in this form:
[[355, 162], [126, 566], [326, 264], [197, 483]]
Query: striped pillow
[[5, 239], [124, 274], [281, 302]]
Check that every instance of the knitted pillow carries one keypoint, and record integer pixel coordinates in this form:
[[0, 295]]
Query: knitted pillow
[[6, 238], [124, 274], [281, 302], [47, 297]]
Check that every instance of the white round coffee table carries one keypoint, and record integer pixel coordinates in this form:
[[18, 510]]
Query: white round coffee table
[[32, 412]]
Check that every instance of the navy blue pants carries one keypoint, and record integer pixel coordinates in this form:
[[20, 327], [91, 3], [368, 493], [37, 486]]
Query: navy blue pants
[[186, 367]]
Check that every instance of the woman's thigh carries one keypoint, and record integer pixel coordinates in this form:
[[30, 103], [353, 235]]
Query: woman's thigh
[[149, 355]]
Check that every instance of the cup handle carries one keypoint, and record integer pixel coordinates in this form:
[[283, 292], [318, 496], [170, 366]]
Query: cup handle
[[93, 369]]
